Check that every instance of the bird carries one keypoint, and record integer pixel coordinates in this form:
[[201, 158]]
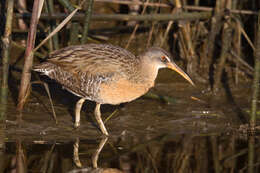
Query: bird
[[106, 74]]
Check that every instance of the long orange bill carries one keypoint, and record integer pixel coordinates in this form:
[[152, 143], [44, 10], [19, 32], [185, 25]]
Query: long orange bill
[[174, 67]]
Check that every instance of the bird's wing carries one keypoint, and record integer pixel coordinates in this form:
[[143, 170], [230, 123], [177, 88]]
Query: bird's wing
[[94, 59]]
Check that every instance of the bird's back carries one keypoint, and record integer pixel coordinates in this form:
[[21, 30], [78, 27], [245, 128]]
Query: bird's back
[[82, 69], [93, 58]]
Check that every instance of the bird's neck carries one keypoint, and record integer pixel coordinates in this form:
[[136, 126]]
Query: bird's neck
[[146, 73]]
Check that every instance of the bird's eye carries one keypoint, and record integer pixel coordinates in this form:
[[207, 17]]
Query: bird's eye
[[163, 59]]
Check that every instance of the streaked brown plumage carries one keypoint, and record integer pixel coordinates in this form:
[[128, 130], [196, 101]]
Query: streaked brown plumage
[[105, 73]]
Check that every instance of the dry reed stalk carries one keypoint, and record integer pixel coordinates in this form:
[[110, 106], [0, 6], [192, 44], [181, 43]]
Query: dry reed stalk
[[149, 40], [125, 17], [188, 46], [22, 8], [246, 36], [237, 48], [53, 24], [74, 29], [19, 46], [60, 26], [242, 62], [67, 5], [136, 27], [256, 79], [200, 8], [6, 46], [225, 47], [26, 74], [215, 27], [87, 20], [167, 29], [127, 2], [50, 42], [188, 7], [74, 33]]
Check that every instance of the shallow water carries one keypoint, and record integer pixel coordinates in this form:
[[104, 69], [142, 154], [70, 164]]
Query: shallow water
[[197, 133]]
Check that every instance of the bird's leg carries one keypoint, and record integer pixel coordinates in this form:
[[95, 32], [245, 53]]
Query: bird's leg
[[99, 120], [77, 111]]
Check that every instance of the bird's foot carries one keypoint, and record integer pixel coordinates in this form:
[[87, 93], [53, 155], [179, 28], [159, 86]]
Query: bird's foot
[[105, 134], [76, 125], [104, 131]]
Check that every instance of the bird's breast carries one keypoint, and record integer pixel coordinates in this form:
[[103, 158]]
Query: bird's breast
[[122, 90]]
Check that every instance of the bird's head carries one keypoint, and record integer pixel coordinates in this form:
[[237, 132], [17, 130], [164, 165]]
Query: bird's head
[[159, 58]]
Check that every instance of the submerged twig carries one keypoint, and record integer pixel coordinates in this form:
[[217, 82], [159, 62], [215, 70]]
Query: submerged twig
[[49, 96], [110, 116], [165, 99]]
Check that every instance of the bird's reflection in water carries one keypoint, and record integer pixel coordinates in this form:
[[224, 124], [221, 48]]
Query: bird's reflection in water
[[95, 156]]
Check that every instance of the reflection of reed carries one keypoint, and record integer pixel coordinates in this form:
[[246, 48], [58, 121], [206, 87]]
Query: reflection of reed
[[215, 154], [166, 154], [21, 166], [49, 160], [251, 154]]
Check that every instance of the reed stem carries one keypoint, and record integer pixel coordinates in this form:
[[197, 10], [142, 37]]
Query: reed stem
[[6, 43], [26, 74], [53, 24], [256, 79], [87, 22], [125, 17]]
